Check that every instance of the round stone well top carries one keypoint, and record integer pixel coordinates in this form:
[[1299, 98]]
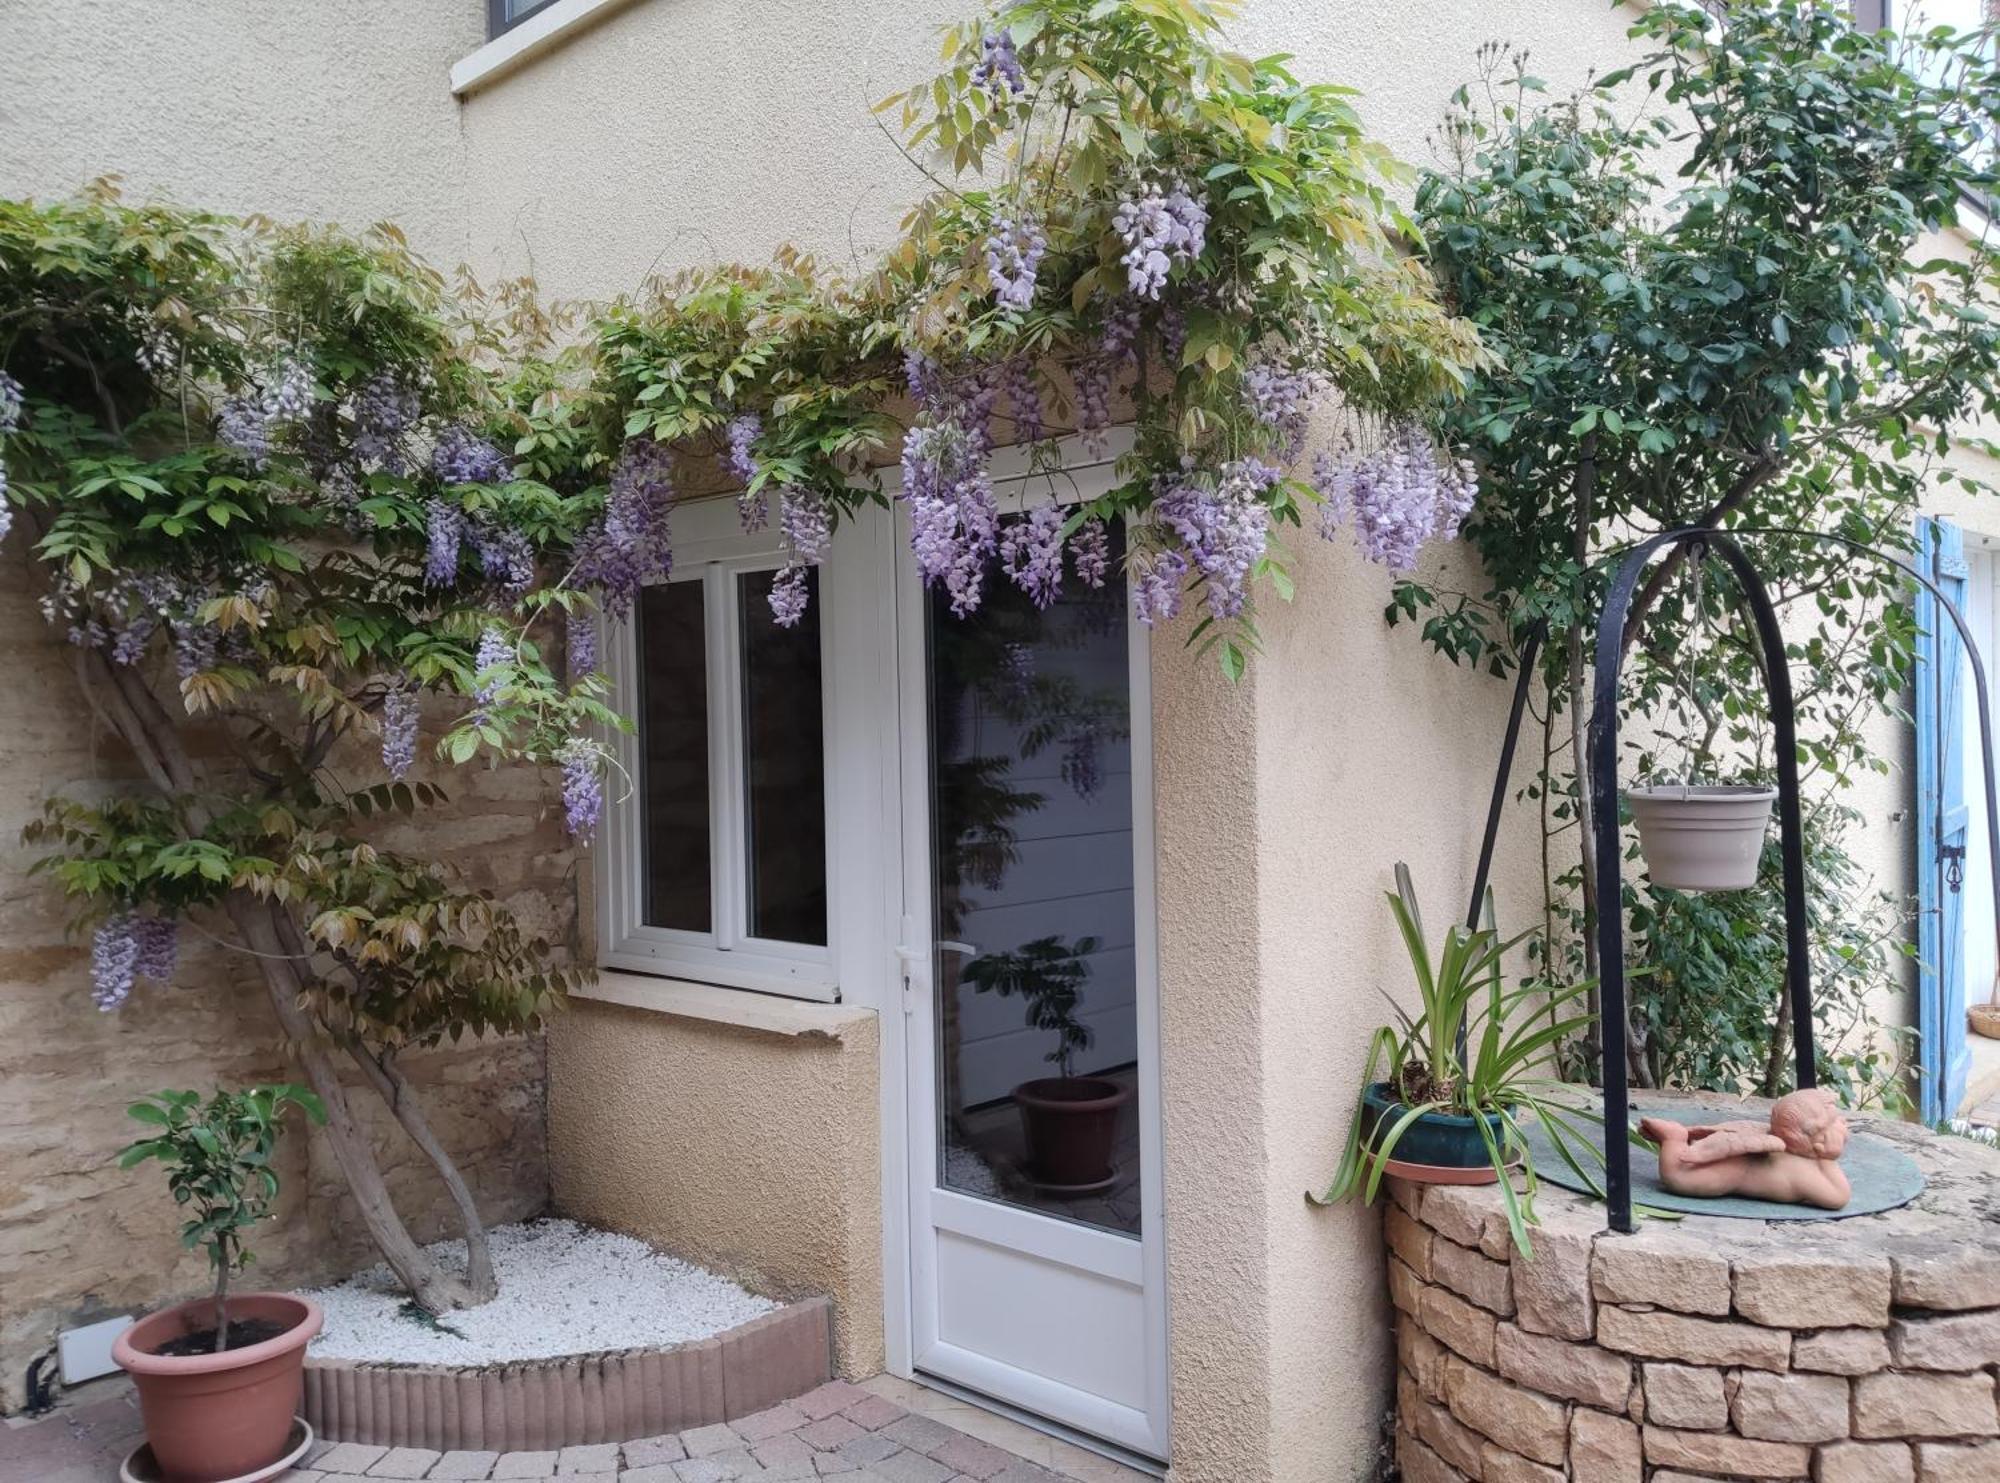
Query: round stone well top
[[1844, 1351]]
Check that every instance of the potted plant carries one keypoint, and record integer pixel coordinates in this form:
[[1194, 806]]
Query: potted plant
[[220, 1377], [1702, 836], [1463, 1073], [1070, 1122]]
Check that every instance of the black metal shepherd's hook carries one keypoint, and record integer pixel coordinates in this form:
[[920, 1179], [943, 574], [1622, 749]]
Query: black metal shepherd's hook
[[1603, 784]]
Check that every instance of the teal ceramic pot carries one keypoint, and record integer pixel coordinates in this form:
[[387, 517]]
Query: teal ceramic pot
[[1436, 1140]]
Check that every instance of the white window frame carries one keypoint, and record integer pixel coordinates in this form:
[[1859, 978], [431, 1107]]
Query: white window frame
[[727, 955]]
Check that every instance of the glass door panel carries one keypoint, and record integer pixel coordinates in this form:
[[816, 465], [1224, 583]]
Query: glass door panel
[[1035, 968]]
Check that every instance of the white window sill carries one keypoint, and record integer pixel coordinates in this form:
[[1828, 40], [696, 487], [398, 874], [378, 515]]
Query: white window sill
[[768, 1012], [541, 32]]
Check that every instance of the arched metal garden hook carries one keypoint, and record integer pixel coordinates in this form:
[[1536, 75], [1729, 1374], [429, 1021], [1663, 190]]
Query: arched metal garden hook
[[1603, 783]]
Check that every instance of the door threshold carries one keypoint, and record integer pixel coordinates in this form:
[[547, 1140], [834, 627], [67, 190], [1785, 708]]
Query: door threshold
[[1152, 1467]]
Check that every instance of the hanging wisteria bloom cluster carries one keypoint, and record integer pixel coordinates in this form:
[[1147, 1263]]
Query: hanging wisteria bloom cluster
[[1398, 494], [126, 947]]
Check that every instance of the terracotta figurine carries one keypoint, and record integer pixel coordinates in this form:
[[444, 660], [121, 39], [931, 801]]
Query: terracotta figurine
[[1793, 1161]]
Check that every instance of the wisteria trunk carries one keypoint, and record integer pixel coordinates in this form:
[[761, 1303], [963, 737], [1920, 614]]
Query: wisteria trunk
[[127, 704]]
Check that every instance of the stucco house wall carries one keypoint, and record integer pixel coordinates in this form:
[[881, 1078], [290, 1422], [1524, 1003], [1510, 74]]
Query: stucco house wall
[[675, 134]]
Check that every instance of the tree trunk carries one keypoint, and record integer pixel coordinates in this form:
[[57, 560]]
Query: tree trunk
[[386, 1076], [121, 696], [435, 1290]]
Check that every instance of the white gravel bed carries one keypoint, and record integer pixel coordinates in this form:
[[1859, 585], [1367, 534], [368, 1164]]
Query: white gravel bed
[[564, 1289]]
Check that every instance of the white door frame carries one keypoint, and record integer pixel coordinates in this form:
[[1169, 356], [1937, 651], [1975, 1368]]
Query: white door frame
[[909, 1120]]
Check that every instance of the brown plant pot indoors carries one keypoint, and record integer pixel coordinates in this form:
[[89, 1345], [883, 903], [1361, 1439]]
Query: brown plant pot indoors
[[217, 1416], [1071, 1125]]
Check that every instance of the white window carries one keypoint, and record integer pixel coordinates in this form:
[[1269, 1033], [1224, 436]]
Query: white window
[[718, 853], [504, 15]]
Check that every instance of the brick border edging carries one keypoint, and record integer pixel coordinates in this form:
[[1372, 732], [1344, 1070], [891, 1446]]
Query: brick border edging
[[574, 1400]]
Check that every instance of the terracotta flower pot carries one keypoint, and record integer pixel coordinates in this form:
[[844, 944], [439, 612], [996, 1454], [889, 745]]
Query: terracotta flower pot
[[1702, 836], [1071, 1124], [215, 1416]]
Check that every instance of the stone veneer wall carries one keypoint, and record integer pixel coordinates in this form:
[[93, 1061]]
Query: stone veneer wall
[[1858, 1351], [81, 1239]]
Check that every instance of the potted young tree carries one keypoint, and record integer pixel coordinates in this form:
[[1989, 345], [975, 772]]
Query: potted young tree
[[1070, 1121], [221, 1377], [1463, 1073]]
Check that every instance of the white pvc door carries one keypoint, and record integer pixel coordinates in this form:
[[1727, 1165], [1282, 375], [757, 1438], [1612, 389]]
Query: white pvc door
[[1031, 1031]]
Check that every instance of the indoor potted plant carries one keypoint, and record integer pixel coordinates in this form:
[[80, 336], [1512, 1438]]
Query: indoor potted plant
[[220, 1377], [1464, 1073], [1070, 1122]]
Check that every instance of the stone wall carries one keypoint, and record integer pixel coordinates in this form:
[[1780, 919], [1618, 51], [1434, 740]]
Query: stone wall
[[79, 1238], [1857, 1351]]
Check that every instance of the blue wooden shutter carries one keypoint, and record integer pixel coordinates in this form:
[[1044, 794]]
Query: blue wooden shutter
[[1942, 817]]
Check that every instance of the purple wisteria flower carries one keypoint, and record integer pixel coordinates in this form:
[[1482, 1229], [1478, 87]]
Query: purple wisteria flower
[[744, 430], [399, 729], [444, 528], [12, 398], [999, 67], [1031, 552], [1222, 529], [1281, 398], [954, 519], [463, 457], [580, 645], [1090, 549], [1093, 404], [494, 652], [114, 960], [383, 410], [1399, 495], [806, 521], [631, 544], [582, 786], [1024, 399], [1013, 256], [250, 422], [1159, 228], [789, 596], [920, 373], [157, 946], [1120, 337], [506, 556], [1156, 587]]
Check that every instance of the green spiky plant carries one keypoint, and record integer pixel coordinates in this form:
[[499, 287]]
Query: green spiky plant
[[1475, 1049]]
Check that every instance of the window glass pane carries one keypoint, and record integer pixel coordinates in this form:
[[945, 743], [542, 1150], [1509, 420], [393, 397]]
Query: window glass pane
[[673, 755], [784, 767], [1031, 780]]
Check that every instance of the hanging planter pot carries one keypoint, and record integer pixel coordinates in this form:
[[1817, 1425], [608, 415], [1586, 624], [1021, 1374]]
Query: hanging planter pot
[[1702, 836]]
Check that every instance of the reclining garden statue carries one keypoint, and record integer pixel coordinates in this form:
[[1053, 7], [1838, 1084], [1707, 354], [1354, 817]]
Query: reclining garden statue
[[1793, 1161]]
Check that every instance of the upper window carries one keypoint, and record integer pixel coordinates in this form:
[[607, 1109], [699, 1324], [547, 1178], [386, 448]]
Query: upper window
[[717, 854], [505, 15]]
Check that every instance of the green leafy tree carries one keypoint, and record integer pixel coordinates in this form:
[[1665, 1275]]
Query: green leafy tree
[[1714, 282], [218, 1161], [252, 464]]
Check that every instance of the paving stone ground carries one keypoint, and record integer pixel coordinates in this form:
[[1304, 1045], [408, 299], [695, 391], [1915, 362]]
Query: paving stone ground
[[840, 1432]]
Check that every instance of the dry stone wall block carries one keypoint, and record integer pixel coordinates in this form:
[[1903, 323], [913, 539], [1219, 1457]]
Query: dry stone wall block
[[1953, 1341], [1717, 1452], [1664, 1271], [1576, 1372], [1921, 1405], [1653, 1334], [1786, 1288], [1867, 1462], [1685, 1397], [1842, 1351], [1604, 1448], [1519, 1419], [1790, 1408]]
